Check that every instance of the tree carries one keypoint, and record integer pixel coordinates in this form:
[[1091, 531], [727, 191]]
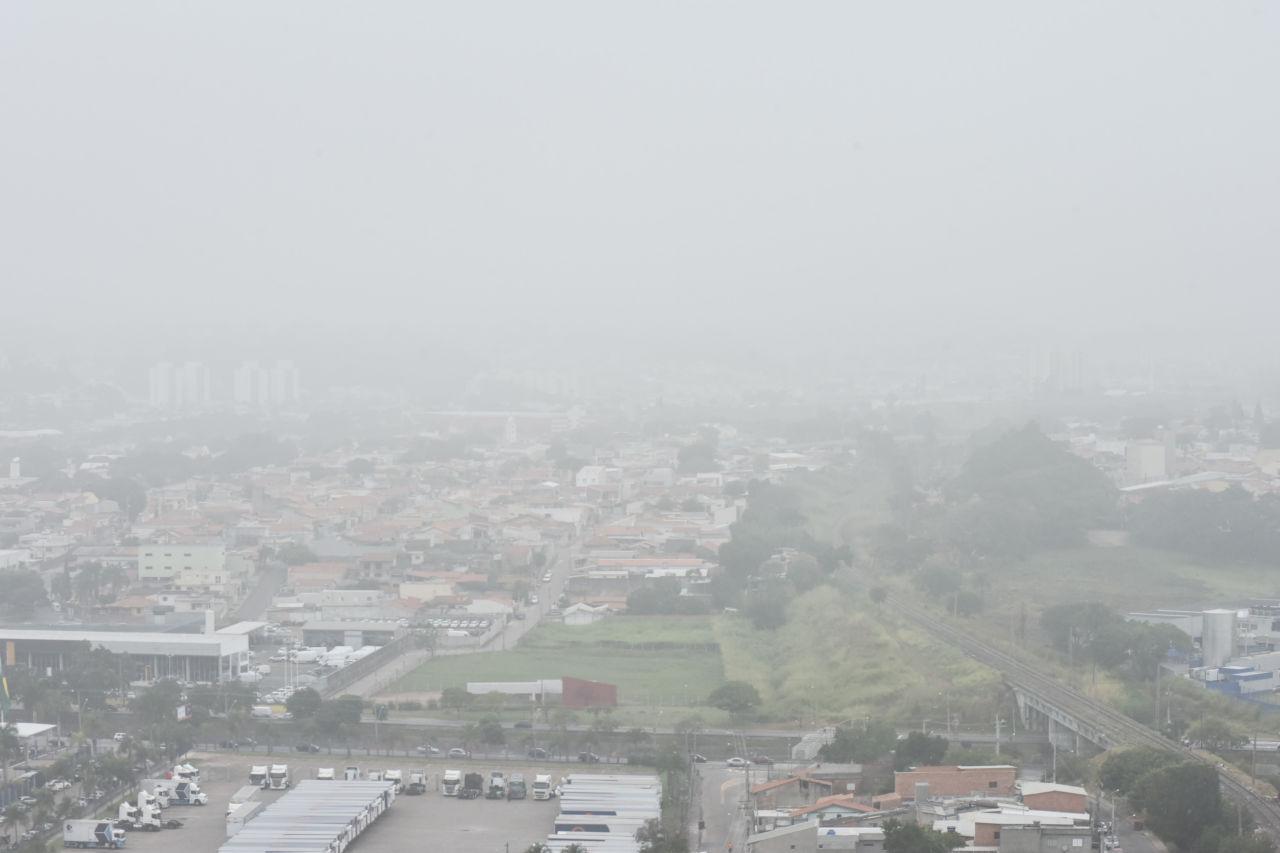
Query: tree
[[537, 847], [1122, 768], [23, 593], [1215, 735], [907, 837], [304, 703], [491, 732], [736, 697], [359, 467], [10, 749], [158, 704], [13, 819], [866, 743], [697, 458], [919, 750], [1180, 801], [456, 698], [654, 836]]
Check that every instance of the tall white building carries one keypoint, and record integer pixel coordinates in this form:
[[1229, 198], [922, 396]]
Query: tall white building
[[256, 385], [184, 387], [160, 380], [284, 383]]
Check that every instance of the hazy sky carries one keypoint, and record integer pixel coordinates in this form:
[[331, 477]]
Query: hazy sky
[[1111, 165]]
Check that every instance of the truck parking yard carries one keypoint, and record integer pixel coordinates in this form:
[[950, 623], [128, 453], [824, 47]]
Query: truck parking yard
[[467, 826]]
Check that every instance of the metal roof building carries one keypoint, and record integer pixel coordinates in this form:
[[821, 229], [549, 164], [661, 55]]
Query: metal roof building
[[315, 817], [152, 654]]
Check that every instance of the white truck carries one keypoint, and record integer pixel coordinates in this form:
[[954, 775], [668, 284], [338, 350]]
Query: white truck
[[374, 775], [417, 782], [258, 776], [278, 776], [394, 776], [542, 788], [451, 782], [325, 774], [144, 816], [351, 773], [186, 772], [260, 711], [176, 792], [92, 833]]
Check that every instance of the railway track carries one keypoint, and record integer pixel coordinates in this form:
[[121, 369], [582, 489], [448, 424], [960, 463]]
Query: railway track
[[1119, 729]]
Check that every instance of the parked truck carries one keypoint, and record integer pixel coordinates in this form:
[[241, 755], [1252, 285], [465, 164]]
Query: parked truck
[[278, 777], [258, 776], [497, 786], [92, 833], [394, 776], [450, 783], [186, 772], [516, 788], [417, 782], [144, 816], [325, 774], [472, 786], [351, 773], [175, 792], [542, 789]]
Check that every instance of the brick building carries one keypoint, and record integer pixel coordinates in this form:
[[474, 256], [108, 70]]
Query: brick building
[[957, 780], [1049, 797]]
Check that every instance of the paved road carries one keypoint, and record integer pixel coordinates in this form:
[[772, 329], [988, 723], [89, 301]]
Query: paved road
[[259, 598]]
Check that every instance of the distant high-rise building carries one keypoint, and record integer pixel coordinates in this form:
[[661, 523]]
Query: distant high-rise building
[[258, 386], [160, 381], [179, 387], [284, 383]]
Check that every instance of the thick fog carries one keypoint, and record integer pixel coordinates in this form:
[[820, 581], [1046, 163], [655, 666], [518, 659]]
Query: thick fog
[[905, 167]]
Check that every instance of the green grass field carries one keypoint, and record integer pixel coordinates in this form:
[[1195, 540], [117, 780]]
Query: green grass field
[[1128, 578], [654, 660]]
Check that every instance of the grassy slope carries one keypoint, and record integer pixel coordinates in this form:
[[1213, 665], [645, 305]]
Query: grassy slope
[[840, 658]]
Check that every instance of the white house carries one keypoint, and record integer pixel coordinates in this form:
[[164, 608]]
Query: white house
[[584, 614]]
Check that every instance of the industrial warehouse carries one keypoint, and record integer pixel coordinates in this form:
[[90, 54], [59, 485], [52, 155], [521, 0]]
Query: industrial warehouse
[[315, 817], [211, 656]]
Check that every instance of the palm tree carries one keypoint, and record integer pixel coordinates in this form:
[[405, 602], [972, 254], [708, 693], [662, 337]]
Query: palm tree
[[537, 847], [10, 748], [13, 819]]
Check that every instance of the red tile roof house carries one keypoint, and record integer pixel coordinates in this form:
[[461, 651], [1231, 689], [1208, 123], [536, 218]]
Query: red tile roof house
[[790, 792]]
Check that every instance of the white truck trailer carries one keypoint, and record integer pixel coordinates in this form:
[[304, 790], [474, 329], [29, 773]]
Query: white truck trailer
[[92, 833]]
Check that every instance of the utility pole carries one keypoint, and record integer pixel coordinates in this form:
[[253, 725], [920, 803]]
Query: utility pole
[[999, 722]]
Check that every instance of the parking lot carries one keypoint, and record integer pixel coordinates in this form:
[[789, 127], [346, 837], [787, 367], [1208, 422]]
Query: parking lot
[[466, 826]]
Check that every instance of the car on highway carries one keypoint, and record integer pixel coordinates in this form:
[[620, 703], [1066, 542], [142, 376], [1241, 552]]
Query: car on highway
[[698, 758], [761, 759], [428, 749], [736, 762], [307, 747], [533, 599], [459, 752], [589, 758], [538, 753]]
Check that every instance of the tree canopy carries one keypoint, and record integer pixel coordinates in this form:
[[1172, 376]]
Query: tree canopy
[[736, 697]]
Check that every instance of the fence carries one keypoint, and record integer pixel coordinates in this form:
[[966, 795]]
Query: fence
[[334, 683]]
